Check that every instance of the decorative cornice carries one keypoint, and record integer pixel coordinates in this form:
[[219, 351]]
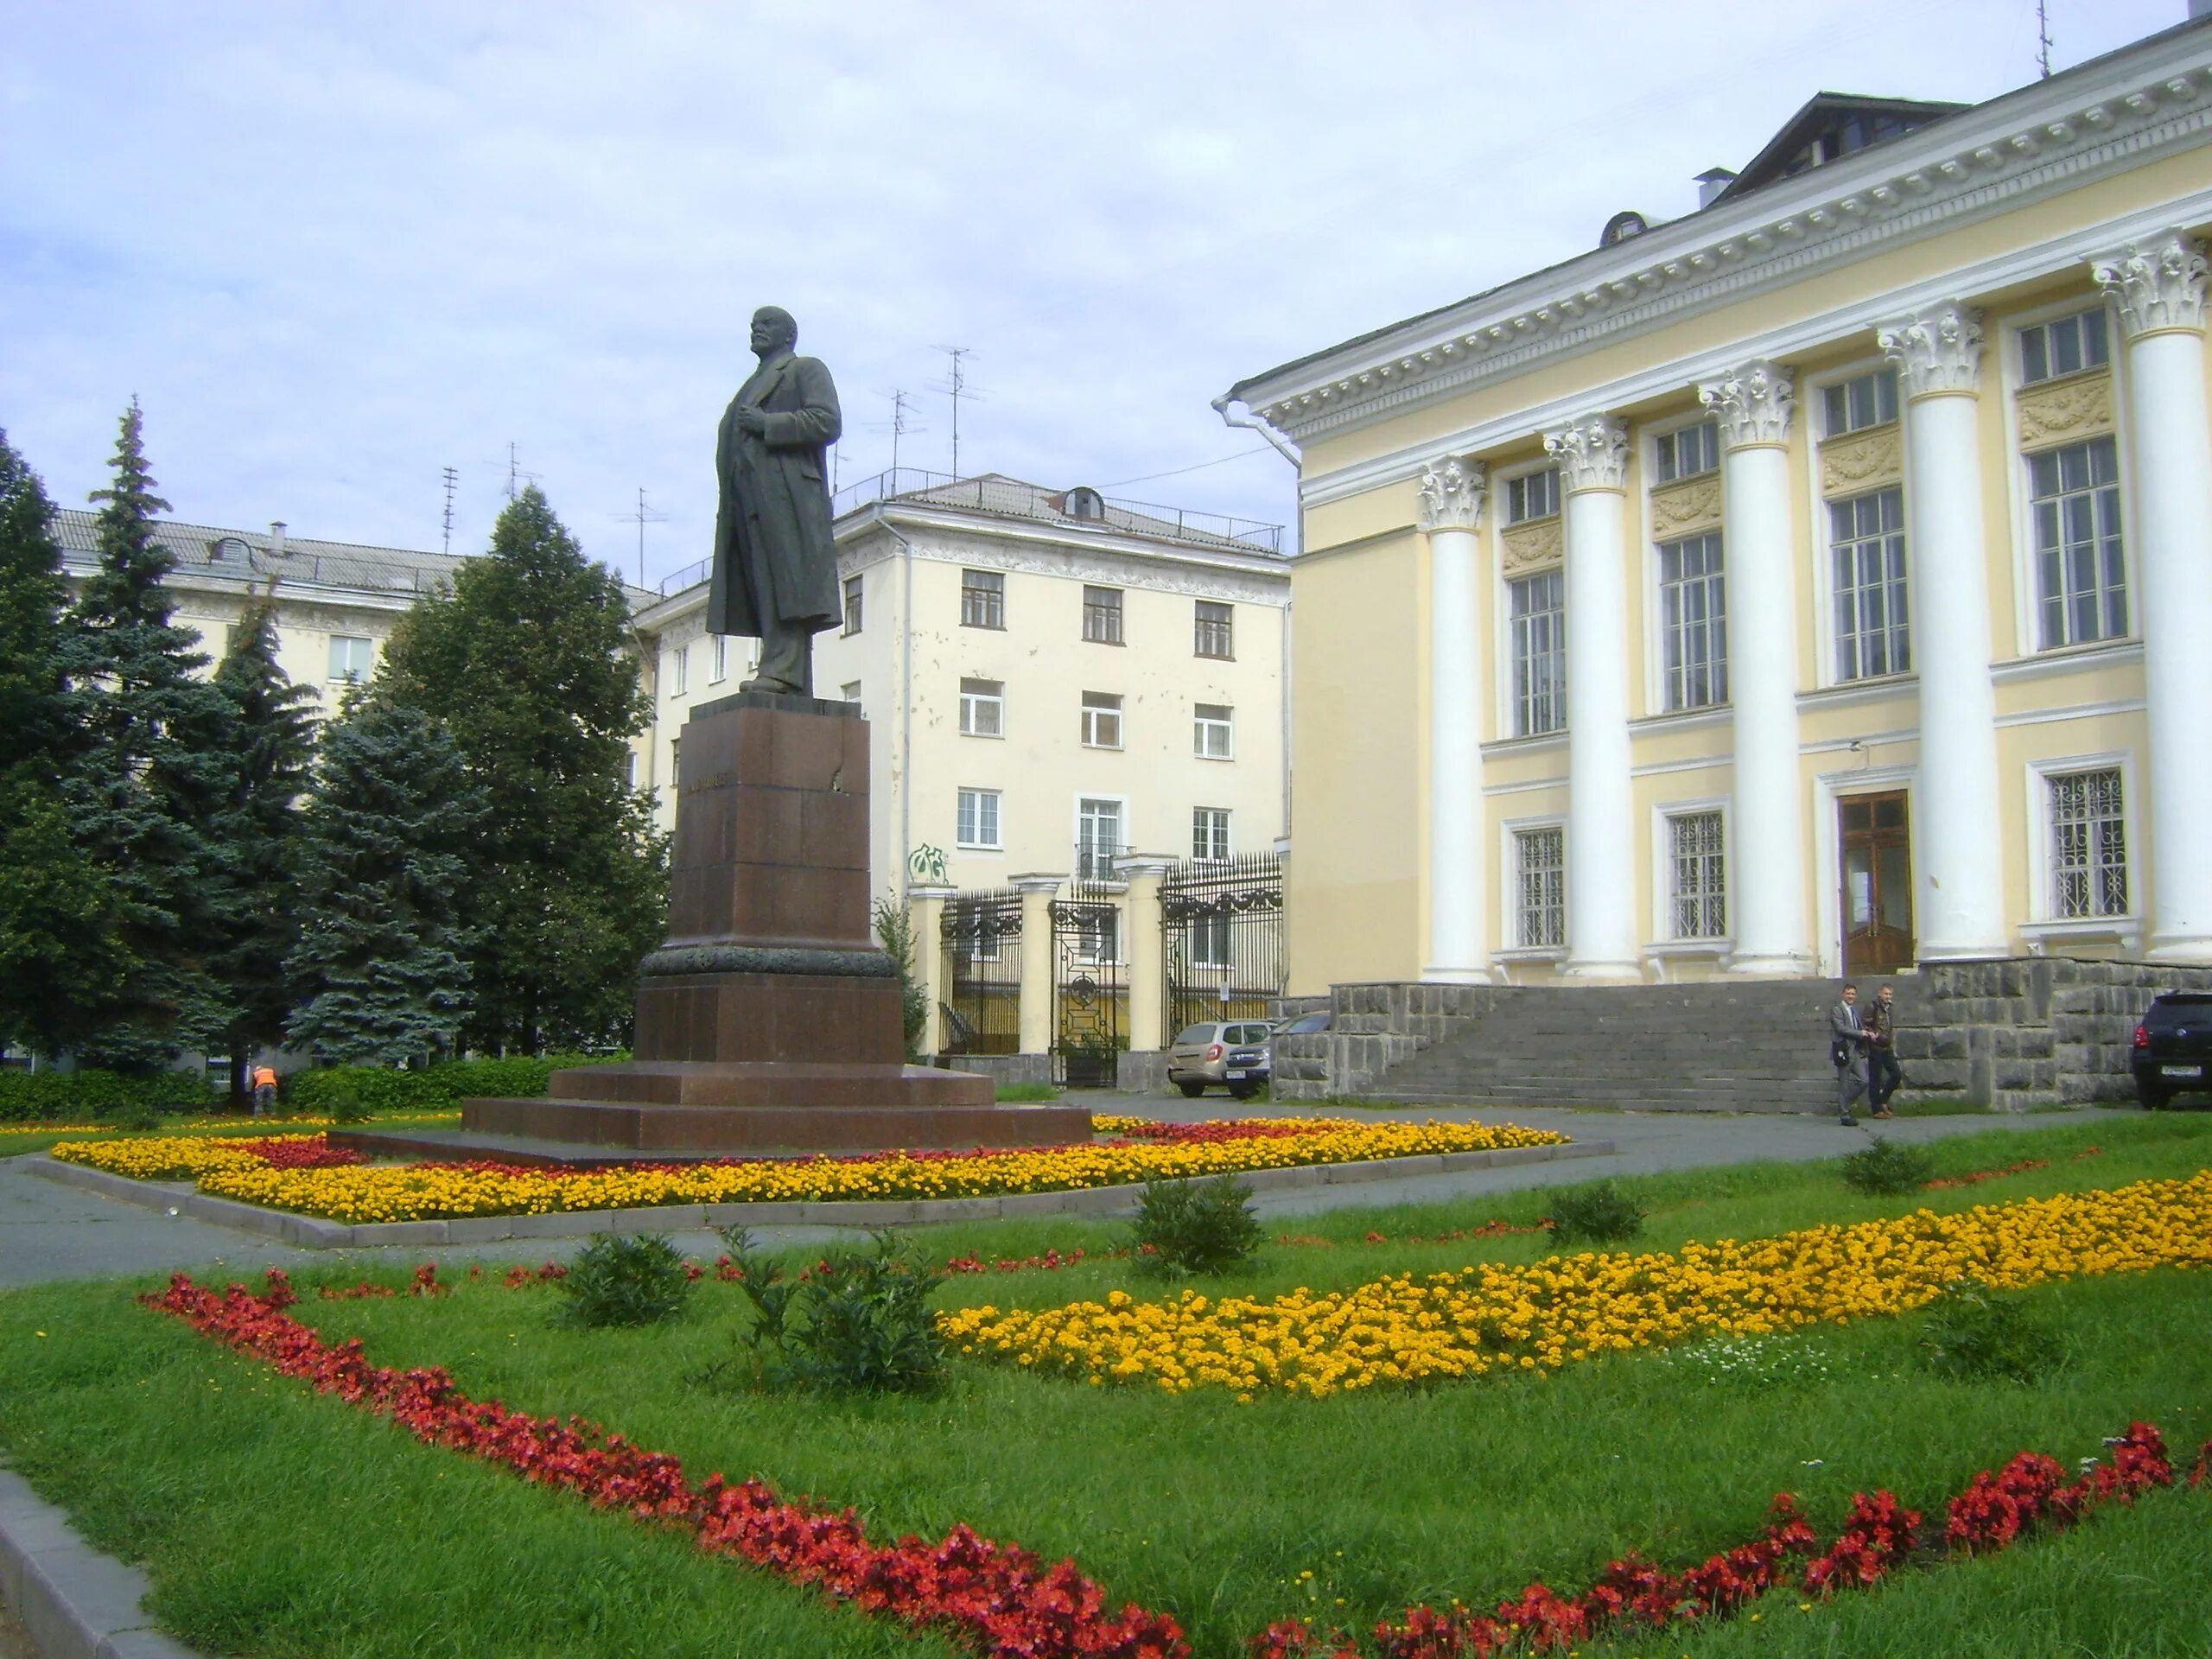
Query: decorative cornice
[[1938, 349], [2155, 285], [1752, 404], [2061, 410], [1591, 452], [1863, 461], [2128, 109], [1451, 494], [1680, 508]]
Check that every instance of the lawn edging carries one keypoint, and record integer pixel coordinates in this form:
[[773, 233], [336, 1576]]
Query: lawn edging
[[313, 1233], [75, 1602]]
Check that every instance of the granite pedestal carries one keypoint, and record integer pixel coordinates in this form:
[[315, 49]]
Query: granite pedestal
[[770, 1021]]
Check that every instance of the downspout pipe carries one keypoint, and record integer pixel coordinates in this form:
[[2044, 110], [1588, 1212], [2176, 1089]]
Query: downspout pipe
[[1226, 401]]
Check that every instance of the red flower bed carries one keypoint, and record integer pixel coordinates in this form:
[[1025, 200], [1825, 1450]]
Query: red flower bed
[[1001, 1598], [313, 1153]]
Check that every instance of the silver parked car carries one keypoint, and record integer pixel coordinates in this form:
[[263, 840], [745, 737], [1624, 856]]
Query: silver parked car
[[1230, 1053]]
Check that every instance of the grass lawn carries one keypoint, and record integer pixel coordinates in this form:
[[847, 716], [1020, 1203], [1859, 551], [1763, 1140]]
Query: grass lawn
[[278, 1523]]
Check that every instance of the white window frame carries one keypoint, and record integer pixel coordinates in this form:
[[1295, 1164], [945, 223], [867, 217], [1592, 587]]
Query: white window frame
[[2130, 599], [1202, 725], [1221, 818], [1830, 592], [1120, 804], [997, 799], [1118, 611], [1819, 397], [2045, 926], [2020, 331], [1661, 676], [1516, 483], [1516, 704], [974, 703], [1673, 430], [1507, 923], [718, 668], [347, 675], [998, 576], [680, 668], [852, 595], [1210, 929], [1095, 716], [1520, 912], [1665, 940], [850, 692], [1227, 623], [1817, 569]]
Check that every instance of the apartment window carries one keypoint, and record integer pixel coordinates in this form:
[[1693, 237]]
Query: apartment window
[[1208, 941], [2088, 845], [2065, 346], [679, 671], [1693, 611], [1538, 605], [983, 708], [351, 658], [1539, 886], [1532, 495], [629, 769], [1213, 731], [982, 599], [1215, 635], [2081, 580], [719, 670], [675, 760], [1866, 546], [1209, 833], [850, 692], [1867, 400], [1686, 451], [1697, 892], [852, 604], [1101, 615], [978, 819], [1098, 837], [1101, 720]]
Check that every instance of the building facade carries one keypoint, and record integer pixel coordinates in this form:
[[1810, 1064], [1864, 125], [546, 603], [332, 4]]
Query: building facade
[[1816, 583]]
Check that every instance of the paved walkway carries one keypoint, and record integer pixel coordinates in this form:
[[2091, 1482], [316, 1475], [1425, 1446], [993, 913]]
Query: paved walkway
[[49, 1231]]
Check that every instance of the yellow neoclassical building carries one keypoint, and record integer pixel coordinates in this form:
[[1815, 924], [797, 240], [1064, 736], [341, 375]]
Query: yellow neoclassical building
[[1820, 582]]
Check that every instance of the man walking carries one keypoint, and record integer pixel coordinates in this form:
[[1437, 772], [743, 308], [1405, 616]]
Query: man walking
[[1884, 1075], [1847, 1048]]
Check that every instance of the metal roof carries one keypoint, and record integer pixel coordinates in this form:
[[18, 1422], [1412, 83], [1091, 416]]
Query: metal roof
[[252, 554]]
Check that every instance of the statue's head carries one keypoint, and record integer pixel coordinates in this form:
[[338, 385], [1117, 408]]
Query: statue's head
[[773, 328]]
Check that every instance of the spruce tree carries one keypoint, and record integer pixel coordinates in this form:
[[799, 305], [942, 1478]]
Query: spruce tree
[[58, 943], [377, 962], [152, 777], [270, 737], [524, 661]]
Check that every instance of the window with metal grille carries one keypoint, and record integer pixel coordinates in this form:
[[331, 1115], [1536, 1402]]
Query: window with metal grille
[[1540, 883], [2088, 845], [1685, 452], [1693, 613], [982, 599], [1538, 605], [1214, 634], [1209, 833], [2065, 346], [1101, 720], [1101, 615], [1863, 401], [852, 604], [1098, 838], [1698, 885], [983, 708], [978, 819], [1213, 729], [1866, 550], [2080, 575], [1532, 495]]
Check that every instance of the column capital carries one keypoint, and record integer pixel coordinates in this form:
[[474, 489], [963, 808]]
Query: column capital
[[927, 891], [2155, 285], [1142, 867], [1753, 404], [1937, 350], [1036, 881], [1451, 496], [1592, 451]]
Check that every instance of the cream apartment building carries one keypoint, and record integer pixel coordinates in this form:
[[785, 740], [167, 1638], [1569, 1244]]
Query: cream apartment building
[[1819, 581]]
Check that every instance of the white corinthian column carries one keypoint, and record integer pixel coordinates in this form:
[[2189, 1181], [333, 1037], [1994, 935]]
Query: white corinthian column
[[2157, 289], [1752, 408], [1958, 896], [1592, 456], [1451, 504]]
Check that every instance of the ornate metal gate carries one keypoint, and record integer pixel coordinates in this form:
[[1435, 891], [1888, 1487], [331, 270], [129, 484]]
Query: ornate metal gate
[[1220, 939], [981, 939], [1088, 991]]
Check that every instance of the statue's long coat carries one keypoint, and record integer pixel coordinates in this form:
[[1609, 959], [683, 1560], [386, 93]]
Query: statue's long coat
[[773, 553]]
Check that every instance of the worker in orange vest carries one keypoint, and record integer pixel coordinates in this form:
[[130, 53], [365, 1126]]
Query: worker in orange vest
[[264, 1090]]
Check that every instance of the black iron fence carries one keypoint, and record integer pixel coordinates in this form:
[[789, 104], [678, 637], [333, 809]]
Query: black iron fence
[[1089, 995], [1222, 939], [981, 935]]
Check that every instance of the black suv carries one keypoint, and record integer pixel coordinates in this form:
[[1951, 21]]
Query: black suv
[[2173, 1048]]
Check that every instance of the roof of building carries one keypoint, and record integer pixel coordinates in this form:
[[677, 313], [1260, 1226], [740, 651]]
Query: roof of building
[[250, 555], [1828, 126]]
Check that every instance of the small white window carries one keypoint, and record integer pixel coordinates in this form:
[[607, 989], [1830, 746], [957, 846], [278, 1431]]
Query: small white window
[[1208, 941], [978, 824], [719, 670], [1698, 876], [852, 612], [351, 658], [1101, 615], [1539, 884], [629, 769], [2088, 845], [2065, 346], [674, 761], [1098, 838], [1101, 720], [1686, 452], [1854, 404], [1209, 833], [1532, 495], [679, 671], [1213, 729], [850, 692], [982, 599], [1214, 632], [983, 708], [1538, 605]]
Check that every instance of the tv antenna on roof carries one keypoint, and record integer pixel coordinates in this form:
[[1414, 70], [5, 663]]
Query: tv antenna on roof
[[902, 409], [452, 478], [516, 475], [2043, 37], [643, 515], [956, 385]]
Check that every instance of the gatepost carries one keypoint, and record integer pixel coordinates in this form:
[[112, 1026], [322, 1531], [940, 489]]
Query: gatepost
[[1144, 950], [1038, 1015]]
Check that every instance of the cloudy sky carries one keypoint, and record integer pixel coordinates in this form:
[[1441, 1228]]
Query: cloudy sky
[[335, 248]]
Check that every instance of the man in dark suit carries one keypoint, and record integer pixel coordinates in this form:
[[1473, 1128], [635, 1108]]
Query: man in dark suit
[[775, 571]]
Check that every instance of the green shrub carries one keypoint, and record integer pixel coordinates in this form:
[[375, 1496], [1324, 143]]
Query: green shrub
[[860, 1322], [1597, 1214], [615, 1280], [100, 1097], [1885, 1169], [894, 931], [440, 1088], [345, 1105], [1974, 1334], [1196, 1226]]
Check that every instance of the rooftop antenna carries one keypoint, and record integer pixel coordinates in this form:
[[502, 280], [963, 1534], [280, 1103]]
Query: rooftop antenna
[[452, 478], [956, 385], [643, 515], [902, 407], [517, 474], [2043, 37]]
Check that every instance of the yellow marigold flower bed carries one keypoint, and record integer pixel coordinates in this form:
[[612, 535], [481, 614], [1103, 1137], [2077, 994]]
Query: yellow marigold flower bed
[[425, 1192], [1541, 1316], [171, 1157]]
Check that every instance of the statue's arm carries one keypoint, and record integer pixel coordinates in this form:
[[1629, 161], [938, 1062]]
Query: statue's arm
[[817, 422]]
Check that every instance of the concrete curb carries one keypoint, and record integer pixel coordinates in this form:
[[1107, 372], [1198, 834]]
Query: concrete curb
[[75, 1602], [310, 1233]]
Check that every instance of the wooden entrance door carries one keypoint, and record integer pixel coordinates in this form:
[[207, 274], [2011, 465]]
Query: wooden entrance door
[[1877, 848]]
